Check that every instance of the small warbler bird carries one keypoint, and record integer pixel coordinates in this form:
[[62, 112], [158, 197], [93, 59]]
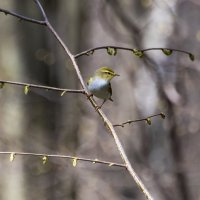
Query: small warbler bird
[[99, 84]]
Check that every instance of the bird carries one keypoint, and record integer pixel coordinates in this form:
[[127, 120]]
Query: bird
[[99, 84]]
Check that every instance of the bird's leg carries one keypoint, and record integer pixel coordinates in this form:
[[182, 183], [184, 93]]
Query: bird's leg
[[89, 95], [99, 107], [103, 103]]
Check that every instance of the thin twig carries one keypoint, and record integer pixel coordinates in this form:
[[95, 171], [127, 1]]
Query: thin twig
[[21, 17], [41, 10], [108, 163], [147, 119], [91, 50], [63, 46], [42, 87]]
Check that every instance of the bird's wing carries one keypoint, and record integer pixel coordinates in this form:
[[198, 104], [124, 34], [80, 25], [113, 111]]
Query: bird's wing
[[89, 80]]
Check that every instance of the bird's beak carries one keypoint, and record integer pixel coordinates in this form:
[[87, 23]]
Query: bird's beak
[[117, 75]]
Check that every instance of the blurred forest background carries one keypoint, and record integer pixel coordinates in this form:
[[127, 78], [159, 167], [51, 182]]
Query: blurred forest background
[[165, 155]]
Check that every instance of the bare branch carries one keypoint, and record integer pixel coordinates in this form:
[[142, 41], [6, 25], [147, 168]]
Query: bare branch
[[147, 119], [104, 118], [42, 87], [91, 51], [21, 17], [41, 9], [108, 163]]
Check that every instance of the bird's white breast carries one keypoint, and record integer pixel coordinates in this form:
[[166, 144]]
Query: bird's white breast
[[100, 88]]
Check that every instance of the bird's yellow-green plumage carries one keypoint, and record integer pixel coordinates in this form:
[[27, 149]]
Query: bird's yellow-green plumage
[[99, 84]]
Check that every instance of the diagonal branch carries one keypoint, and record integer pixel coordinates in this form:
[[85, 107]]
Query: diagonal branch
[[104, 118], [41, 10], [67, 51]]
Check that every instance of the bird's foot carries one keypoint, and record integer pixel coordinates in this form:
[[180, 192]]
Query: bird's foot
[[98, 107], [89, 95]]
